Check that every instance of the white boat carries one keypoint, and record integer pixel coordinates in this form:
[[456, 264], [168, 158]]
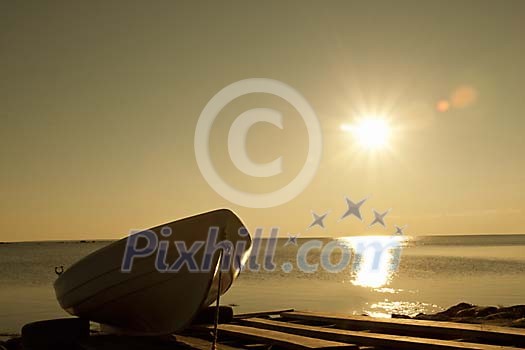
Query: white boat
[[145, 300]]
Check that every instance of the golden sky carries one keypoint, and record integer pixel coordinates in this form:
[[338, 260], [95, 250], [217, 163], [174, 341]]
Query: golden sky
[[100, 100]]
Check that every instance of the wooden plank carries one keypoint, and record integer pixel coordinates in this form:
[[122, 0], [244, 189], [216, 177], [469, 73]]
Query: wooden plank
[[261, 314], [115, 342], [421, 328], [367, 338], [200, 344], [284, 340]]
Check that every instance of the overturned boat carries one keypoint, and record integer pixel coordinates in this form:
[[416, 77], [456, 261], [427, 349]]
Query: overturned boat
[[156, 281]]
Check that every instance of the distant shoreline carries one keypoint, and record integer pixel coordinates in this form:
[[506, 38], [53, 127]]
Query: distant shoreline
[[473, 235]]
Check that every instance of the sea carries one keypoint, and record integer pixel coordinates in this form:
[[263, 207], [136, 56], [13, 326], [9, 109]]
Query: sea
[[420, 274]]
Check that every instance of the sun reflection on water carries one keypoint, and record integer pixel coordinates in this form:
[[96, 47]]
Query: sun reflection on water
[[375, 263], [376, 259], [410, 308]]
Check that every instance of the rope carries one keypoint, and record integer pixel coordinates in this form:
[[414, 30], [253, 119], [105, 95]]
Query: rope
[[216, 322]]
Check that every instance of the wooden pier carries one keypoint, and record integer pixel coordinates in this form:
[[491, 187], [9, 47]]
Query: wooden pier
[[289, 329]]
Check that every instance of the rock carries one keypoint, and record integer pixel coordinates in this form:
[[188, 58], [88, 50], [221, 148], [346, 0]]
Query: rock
[[452, 311], [499, 316], [400, 316], [477, 311], [435, 317], [471, 311], [519, 323], [517, 310], [483, 311]]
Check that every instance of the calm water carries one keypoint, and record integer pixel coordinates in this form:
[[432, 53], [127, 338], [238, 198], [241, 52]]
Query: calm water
[[433, 273]]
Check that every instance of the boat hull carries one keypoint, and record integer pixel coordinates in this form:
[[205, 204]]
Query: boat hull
[[145, 300]]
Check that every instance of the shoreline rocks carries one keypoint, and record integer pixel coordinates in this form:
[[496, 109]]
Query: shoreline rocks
[[510, 316]]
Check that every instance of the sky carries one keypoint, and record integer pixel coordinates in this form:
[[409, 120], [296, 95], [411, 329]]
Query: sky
[[99, 103]]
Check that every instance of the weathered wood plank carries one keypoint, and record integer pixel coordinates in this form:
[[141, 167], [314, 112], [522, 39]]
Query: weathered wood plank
[[421, 328], [284, 340], [115, 342], [367, 338], [200, 344], [261, 314]]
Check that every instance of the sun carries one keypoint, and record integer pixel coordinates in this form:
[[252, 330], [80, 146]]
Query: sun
[[371, 133]]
